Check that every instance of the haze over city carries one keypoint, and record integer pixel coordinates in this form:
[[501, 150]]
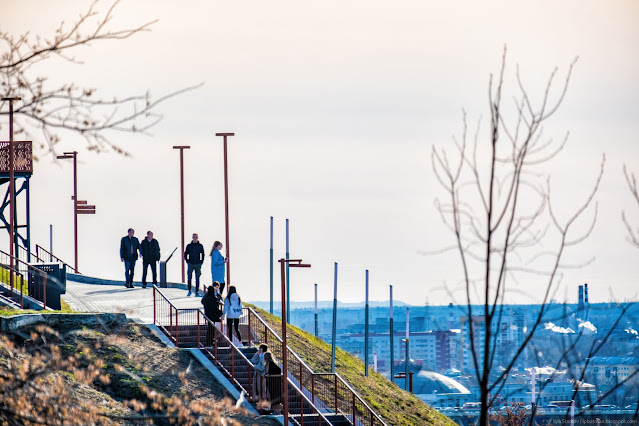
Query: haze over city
[[336, 108]]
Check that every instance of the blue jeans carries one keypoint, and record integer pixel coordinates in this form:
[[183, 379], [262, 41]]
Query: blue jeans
[[197, 268], [129, 268]]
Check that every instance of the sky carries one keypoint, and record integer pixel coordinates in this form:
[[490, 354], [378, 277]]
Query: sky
[[336, 107]]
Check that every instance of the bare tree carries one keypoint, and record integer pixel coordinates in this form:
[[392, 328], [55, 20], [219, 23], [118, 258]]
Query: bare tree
[[503, 216], [68, 106], [633, 235]]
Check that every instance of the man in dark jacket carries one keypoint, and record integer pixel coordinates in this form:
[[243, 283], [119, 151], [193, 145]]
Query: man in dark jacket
[[194, 256], [150, 249], [129, 248]]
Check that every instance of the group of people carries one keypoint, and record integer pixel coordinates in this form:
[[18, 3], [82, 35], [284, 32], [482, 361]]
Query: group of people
[[215, 307], [131, 250], [149, 250], [267, 377]]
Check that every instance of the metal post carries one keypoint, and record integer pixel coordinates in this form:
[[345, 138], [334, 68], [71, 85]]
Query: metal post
[[334, 322], [288, 281], [226, 208], [316, 324], [75, 207], [407, 356], [28, 208], [12, 188], [366, 329], [298, 263], [50, 243], [284, 345], [271, 266], [182, 148], [392, 356]]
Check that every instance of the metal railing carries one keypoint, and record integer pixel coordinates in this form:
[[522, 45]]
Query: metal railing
[[327, 390], [43, 255], [33, 286], [188, 327]]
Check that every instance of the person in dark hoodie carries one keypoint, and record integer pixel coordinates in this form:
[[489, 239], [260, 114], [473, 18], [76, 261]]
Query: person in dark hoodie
[[129, 248], [194, 256], [212, 301], [150, 249], [233, 312]]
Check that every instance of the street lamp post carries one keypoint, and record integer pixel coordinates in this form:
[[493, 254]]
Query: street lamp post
[[79, 206], [182, 148], [226, 209], [293, 263]]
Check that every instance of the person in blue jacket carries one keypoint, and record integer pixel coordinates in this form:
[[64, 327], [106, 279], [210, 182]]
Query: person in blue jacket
[[218, 265]]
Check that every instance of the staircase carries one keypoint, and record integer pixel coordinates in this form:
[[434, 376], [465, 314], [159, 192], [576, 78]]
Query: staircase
[[313, 398]]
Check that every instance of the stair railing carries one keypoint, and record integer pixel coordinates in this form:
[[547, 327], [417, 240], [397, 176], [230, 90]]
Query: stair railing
[[42, 255], [213, 342], [323, 389]]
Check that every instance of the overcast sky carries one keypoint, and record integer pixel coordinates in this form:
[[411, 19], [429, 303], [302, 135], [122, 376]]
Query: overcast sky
[[336, 107]]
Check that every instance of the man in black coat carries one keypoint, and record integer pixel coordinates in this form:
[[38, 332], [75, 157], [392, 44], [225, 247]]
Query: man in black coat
[[129, 249], [194, 256], [150, 249]]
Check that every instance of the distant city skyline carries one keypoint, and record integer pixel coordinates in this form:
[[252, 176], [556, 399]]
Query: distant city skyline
[[336, 109]]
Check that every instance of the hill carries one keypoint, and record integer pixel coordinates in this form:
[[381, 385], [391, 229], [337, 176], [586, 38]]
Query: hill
[[106, 371]]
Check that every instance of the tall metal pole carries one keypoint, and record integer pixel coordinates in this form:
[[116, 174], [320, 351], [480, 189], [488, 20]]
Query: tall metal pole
[[75, 206], [288, 281], [12, 189], [392, 355], [182, 148], [334, 322], [316, 325], [407, 357], [284, 344], [51, 243], [271, 265], [366, 329], [226, 208]]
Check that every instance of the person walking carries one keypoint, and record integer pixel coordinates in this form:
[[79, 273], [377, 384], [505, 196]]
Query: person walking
[[129, 249], [218, 265], [150, 249], [212, 301], [194, 256], [233, 312]]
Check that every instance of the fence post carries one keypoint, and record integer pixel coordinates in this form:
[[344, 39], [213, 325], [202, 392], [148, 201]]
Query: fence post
[[171, 323], [154, 302], [177, 330], [250, 333], [198, 329], [335, 385], [21, 293], [44, 290], [313, 388], [354, 422]]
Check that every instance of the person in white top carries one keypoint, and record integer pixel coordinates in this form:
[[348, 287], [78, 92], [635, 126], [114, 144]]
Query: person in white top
[[233, 312]]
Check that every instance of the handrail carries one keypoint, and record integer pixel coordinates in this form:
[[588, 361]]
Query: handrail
[[354, 400], [24, 269], [51, 256], [312, 406], [343, 398], [18, 274]]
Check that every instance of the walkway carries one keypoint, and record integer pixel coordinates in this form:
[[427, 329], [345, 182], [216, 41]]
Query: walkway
[[112, 296]]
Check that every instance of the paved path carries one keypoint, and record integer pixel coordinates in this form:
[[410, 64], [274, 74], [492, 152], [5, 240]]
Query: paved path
[[112, 296]]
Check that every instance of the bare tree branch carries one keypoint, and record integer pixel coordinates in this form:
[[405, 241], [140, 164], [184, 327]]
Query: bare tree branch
[[69, 107]]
